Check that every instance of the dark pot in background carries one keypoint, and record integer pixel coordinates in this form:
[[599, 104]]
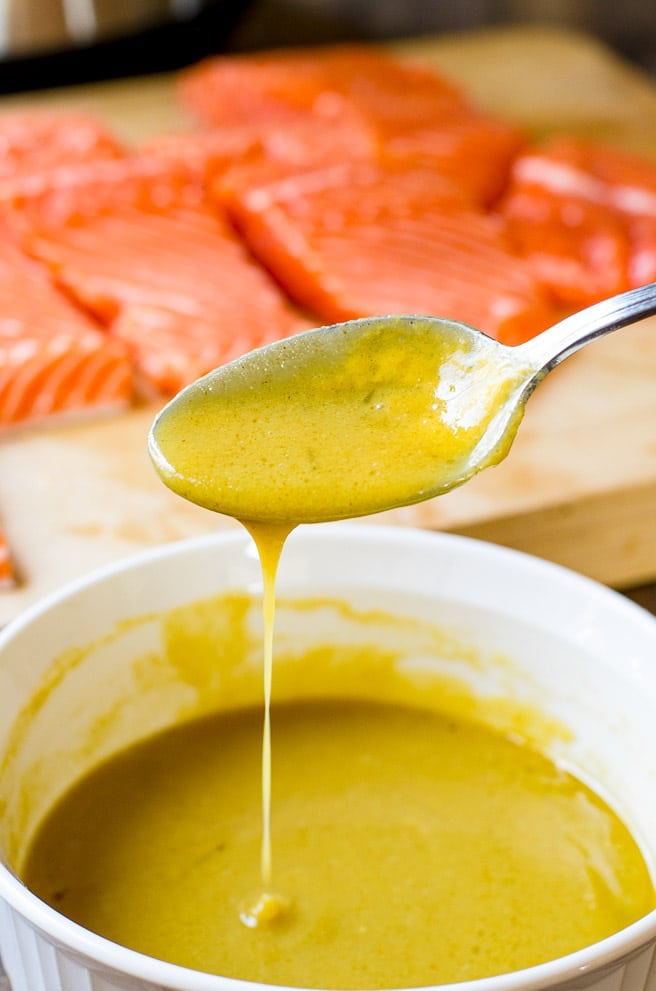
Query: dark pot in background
[[58, 42]]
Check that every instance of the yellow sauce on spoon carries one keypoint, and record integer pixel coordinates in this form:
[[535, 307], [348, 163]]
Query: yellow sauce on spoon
[[341, 422], [330, 424]]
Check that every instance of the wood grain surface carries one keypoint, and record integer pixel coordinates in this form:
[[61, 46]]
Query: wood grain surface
[[579, 486]]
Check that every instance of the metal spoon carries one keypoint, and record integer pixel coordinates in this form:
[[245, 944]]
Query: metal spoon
[[552, 346], [363, 416]]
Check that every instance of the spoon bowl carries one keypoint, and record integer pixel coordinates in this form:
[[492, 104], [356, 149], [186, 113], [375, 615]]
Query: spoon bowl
[[364, 416]]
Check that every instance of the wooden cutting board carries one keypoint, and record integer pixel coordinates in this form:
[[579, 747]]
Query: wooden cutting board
[[579, 486]]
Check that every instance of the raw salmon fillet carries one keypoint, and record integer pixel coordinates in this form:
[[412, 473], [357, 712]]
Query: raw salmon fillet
[[67, 194], [205, 153], [473, 152], [401, 112], [41, 150], [34, 141], [579, 251], [585, 218], [53, 359], [359, 240], [281, 85], [303, 141], [177, 287]]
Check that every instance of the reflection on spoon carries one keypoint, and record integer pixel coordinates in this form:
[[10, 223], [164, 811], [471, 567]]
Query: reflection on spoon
[[363, 416]]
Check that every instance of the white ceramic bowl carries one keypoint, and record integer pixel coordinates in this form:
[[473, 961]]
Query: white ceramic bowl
[[539, 634]]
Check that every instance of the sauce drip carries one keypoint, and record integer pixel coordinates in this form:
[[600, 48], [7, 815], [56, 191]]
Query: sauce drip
[[269, 540], [334, 424]]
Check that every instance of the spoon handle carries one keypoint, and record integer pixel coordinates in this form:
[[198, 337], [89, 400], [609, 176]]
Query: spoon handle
[[574, 332]]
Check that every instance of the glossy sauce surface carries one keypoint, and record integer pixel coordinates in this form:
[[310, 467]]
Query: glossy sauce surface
[[413, 848], [340, 423]]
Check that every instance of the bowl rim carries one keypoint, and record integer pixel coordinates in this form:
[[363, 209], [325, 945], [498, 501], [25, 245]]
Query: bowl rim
[[75, 939]]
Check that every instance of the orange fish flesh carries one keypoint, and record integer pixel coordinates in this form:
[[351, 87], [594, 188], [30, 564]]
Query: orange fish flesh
[[53, 360], [360, 239], [585, 218], [178, 287]]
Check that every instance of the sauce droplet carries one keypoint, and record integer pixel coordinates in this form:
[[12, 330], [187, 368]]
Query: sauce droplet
[[266, 910]]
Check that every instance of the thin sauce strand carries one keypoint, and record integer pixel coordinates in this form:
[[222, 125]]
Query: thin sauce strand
[[269, 540]]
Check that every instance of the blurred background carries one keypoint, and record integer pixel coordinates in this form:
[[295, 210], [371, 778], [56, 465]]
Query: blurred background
[[59, 42]]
